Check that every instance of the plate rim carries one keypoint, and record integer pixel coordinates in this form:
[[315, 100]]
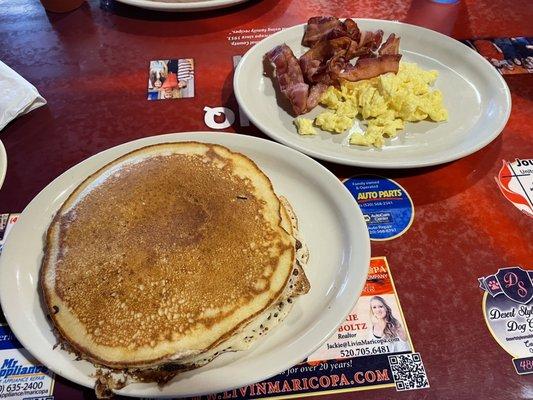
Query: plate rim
[[3, 163], [190, 6], [343, 159], [357, 228]]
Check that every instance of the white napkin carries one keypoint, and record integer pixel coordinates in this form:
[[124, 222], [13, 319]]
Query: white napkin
[[17, 95]]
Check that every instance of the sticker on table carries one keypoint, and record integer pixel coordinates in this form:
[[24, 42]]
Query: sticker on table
[[515, 181], [3, 226], [508, 312], [6, 223], [171, 79], [21, 376], [387, 208], [371, 349], [510, 56]]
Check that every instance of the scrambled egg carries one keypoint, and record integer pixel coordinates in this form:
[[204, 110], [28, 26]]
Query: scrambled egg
[[304, 126], [333, 122], [385, 103]]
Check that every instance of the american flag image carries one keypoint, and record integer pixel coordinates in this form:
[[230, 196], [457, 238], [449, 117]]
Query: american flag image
[[185, 69]]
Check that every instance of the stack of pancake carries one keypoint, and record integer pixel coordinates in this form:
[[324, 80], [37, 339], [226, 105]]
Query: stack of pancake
[[169, 256]]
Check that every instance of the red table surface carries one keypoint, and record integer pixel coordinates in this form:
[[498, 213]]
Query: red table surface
[[92, 67]]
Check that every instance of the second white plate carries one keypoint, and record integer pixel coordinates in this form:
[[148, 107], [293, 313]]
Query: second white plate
[[476, 96], [182, 6], [3, 163], [331, 224]]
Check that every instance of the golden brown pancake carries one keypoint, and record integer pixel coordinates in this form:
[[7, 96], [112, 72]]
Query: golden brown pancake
[[166, 253]]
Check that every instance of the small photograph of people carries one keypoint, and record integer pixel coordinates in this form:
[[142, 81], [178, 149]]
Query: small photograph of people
[[509, 55], [384, 325], [171, 79]]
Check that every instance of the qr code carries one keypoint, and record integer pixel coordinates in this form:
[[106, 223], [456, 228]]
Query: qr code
[[408, 371]]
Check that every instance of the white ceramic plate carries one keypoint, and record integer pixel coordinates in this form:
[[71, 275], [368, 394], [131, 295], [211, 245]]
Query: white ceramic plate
[[331, 224], [185, 6], [3, 163], [475, 95]]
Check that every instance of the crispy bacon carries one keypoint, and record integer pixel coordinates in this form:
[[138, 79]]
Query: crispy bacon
[[290, 78], [297, 94], [319, 27], [315, 93], [314, 63], [365, 68], [371, 40], [327, 28], [337, 65], [333, 44], [352, 29], [368, 44], [390, 46]]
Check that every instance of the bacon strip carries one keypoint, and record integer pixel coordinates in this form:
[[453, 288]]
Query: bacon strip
[[315, 93], [365, 68], [352, 29], [290, 78], [314, 62], [327, 28], [390, 46], [371, 40], [319, 27]]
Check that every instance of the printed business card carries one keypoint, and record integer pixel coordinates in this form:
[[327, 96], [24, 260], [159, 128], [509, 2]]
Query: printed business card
[[6, 223], [171, 79], [387, 207], [515, 181], [21, 376], [371, 349], [508, 311]]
